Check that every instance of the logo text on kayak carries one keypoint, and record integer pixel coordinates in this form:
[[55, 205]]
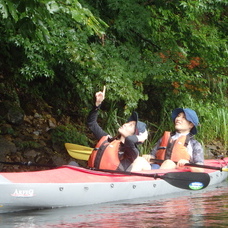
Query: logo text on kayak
[[23, 193]]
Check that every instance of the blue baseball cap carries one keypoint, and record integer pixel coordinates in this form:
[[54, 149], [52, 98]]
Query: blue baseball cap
[[190, 116], [140, 126]]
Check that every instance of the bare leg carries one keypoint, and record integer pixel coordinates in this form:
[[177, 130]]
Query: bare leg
[[168, 164], [139, 164]]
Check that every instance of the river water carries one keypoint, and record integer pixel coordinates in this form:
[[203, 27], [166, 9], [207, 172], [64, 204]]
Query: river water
[[205, 208]]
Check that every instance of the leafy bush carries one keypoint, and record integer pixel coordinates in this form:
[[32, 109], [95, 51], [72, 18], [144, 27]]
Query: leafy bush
[[28, 145], [68, 134], [153, 56]]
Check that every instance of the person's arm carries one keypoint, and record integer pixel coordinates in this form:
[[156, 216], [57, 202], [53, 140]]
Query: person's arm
[[197, 156], [93, 125], [197, 153], [92, 117], [131, 151]]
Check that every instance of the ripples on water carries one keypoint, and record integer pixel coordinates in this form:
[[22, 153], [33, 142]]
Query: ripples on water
[[206, 208]]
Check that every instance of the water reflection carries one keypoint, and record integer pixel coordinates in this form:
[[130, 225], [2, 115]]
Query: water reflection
[[207, 208]]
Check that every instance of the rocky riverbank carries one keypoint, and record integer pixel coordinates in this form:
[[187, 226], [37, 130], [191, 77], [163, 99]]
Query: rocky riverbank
[[28, 138], [33, 131]]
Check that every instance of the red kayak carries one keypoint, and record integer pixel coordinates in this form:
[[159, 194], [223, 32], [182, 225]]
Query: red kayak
[[74, 186]]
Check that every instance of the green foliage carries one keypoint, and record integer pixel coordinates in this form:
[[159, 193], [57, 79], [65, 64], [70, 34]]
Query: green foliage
[[153, 56], [214, 125], [31, 17], [27, 145], [69, 134]]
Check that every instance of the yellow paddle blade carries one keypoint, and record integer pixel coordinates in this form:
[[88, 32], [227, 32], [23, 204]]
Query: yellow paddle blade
[[71, 146], [225, 169], [78, 151]]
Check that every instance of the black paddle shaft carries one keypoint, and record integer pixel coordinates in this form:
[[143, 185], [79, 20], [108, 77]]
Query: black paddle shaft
[[191, 165], [28, 164]]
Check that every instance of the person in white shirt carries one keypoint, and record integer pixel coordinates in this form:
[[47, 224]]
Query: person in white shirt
[[177, 148]]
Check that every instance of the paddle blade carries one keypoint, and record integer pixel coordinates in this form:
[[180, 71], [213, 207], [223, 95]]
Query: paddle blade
[[225, 169], [71, 146], [78, 151], [187, 180]]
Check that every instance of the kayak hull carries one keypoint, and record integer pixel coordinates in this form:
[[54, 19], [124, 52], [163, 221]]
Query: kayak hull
[[69, 186]]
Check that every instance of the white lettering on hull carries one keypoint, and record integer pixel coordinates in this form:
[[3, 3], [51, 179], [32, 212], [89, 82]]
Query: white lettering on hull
[[23, 193]]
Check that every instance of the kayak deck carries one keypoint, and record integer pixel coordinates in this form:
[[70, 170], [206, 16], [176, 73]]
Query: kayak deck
[[73, 174]]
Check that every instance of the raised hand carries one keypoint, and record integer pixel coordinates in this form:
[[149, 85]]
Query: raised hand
[[100, 96]]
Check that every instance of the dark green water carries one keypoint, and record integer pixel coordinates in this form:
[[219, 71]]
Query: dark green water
[[206, 208]]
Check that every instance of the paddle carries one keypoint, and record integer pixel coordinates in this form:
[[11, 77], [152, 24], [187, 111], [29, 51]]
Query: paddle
[[197, 165], [184, 180], [78, 151]]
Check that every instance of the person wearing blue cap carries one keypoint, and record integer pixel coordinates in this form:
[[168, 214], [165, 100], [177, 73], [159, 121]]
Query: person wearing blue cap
[[121, 152], [177, 148]]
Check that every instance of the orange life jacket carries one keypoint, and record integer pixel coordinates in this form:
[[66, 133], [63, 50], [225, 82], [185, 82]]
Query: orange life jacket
[[105, 155], [175, 150]]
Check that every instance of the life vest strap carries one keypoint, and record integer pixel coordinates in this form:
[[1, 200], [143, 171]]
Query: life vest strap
[[100, 152]]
